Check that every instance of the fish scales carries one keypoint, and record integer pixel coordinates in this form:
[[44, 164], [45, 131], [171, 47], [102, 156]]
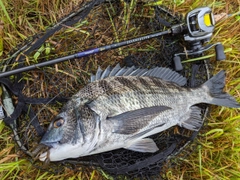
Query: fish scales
[[136, 95], [121, 111]]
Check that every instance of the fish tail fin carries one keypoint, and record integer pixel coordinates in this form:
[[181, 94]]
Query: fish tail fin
[[215, 86]]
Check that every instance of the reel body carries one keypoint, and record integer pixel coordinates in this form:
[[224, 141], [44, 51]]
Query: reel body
[[200, 25]]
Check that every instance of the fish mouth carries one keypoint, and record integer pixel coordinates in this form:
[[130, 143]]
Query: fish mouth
[[53, 145], [41, 152], [44, 157]]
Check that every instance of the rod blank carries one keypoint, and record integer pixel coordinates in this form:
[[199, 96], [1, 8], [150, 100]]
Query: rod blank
[[83, 53]]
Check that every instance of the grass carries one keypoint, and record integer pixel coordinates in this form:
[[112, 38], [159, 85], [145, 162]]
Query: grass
[[218, 152]]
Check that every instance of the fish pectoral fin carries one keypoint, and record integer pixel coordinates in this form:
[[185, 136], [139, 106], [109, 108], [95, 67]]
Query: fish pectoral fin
[[193, 119], [133, 121], [143, 145]]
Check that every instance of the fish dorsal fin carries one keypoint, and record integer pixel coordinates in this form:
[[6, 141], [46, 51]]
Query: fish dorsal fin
[[167, 75], [159, 72]]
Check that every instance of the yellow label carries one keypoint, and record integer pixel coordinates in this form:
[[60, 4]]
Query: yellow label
[[207, 20]]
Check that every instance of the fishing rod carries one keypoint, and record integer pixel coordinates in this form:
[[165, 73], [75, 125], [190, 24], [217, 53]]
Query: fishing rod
[[199, 28], [83, 53]]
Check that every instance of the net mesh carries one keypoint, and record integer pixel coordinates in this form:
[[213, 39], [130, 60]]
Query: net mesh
[[44, 90]]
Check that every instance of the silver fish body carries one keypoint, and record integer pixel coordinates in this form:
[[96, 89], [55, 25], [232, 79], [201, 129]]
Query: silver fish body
[[120, 108]]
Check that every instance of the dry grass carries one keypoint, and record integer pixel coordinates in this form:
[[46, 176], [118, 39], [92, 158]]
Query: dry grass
[[218, 153]]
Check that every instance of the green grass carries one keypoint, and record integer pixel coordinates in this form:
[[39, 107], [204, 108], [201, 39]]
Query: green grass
[[218, 152]]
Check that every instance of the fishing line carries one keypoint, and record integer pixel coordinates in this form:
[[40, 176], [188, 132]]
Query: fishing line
[[44, 106]]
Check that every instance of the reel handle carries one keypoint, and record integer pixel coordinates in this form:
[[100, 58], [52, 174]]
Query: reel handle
[[177, 63], [219, 50]]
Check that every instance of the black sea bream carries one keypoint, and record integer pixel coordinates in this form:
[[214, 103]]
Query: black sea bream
[[121, 107]]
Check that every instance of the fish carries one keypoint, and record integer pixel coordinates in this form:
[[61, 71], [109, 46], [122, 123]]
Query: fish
[[122, 107]]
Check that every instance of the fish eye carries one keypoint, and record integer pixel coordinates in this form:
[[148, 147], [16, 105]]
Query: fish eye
[[58, 123]]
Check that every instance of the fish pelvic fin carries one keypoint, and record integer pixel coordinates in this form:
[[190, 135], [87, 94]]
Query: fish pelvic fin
[[215, 86], [143, 145]]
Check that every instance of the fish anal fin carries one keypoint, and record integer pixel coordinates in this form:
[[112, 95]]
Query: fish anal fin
[[193, 119], [133, 121], [143, 145]]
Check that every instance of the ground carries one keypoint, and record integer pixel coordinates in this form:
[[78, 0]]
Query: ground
[[217, 155]]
